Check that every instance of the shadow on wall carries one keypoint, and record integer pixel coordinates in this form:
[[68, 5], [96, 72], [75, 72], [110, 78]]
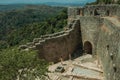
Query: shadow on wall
[[79, 49], [96, 12]]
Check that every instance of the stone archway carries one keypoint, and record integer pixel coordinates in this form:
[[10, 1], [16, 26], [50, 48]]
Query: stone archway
[[88, 47], [96, 12], [107, 13]]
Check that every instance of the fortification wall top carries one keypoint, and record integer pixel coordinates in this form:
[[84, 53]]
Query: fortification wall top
[[94, 10], [43, 38]]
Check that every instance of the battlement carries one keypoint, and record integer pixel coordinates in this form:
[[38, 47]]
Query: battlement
[[44, 38], [94, 10], [52, 46]]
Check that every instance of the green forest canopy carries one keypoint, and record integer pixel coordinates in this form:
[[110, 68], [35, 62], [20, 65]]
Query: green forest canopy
[[23, 25], [15, 63]]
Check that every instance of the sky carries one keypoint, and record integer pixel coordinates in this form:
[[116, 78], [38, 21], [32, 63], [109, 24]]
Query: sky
[[43, 1]]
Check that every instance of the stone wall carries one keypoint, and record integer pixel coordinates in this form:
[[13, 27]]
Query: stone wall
[[108, 50], [72, 13], [90, 30], [62, 45], [104, 36], [59, 45], [101, 10], [94, 10]]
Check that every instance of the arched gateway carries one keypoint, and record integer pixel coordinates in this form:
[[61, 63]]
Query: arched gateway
[[88, 47]]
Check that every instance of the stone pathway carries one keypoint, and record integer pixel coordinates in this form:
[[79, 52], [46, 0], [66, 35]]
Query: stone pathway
[[82, 68]]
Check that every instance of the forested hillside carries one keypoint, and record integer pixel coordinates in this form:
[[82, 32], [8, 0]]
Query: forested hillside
[[21, 65], [21, 25]]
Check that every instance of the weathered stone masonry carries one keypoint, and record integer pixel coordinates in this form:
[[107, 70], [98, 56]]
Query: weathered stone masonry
[[100, 25], [95, 29], [60, 46], [108, 49], [53, 47]]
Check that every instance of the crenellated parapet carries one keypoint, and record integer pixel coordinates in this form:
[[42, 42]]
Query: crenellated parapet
[[53, 46], [43, 38], [94, 10]]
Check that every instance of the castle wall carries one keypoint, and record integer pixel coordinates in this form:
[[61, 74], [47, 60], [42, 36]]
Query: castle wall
[[94, 10], [105, 39], [101, 10], [108, 50], [60, 46], [90, 30], [72, 13], [89, 10]]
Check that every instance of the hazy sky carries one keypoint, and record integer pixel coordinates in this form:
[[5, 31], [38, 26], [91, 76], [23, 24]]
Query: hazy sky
[[42, 1]]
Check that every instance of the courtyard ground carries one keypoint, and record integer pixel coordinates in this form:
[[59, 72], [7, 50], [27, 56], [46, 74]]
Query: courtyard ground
[[82, 68]]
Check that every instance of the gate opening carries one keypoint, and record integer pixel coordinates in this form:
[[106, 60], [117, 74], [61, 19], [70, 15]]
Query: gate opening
[[88, 47]]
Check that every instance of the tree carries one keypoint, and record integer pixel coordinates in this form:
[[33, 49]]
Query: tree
[[15, 63]]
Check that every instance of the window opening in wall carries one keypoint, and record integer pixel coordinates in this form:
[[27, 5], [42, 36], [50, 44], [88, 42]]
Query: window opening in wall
[[107, 47], [96, 12], [107, 13]]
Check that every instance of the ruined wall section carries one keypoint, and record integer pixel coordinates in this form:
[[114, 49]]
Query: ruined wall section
[[110, 10], [90, 30], [102, 10], [58, 45], [108, 50], [74, 13]]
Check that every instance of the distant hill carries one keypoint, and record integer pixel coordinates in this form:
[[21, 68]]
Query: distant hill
[[72, 3], [11, 7], [55, 3], [64, 4], [26, 22], [49, 2]]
